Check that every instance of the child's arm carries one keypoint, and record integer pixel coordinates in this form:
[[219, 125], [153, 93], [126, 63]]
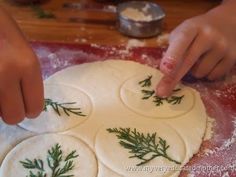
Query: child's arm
[[205, 44], [21, 87]]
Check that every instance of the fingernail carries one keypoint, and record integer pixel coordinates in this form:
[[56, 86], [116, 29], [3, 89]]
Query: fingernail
[[168, 66]]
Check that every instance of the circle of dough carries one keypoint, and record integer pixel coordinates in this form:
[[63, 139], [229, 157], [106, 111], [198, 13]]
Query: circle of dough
[[50, 121], [116, 157], [37, 148], [131, 95]]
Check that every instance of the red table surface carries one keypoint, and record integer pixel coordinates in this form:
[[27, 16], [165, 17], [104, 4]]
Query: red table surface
[[218, 97]]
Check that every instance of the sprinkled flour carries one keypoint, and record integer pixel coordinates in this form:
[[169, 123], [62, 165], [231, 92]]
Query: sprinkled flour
[[220, 150], [136, 14], [229, 93], [226, 144], [217, 161], [209, 129]]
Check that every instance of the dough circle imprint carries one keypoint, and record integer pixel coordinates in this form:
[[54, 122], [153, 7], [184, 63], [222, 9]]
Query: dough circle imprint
[[38, 147], [131, 95], [50, 121], [118, 159]]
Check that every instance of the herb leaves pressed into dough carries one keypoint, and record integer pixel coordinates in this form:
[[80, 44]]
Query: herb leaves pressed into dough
[[65, 107], [147, 94], [59, 164], [142, 146]]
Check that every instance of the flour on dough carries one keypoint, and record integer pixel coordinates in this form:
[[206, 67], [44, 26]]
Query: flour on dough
[[37, 148]]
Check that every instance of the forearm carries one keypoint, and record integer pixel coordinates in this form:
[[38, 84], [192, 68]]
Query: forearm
[[9, 28], [224, 12], [229, 1], [230, 4]]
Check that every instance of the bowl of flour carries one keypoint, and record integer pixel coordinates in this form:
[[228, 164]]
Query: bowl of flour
[[140, 18]]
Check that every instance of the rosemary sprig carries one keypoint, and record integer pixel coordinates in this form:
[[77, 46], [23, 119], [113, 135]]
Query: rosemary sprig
[[41, 13], [38, 174], [158, 100], [147, 94], [62, 106], [146, 82], [70, 156], [175, 99], [35, 164], [54, 161], [54, 158], [143, 147]]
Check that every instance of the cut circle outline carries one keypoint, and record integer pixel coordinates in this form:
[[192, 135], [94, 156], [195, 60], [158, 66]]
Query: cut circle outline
[[32, 140], [146, 115], [32, 124], [120, 172]]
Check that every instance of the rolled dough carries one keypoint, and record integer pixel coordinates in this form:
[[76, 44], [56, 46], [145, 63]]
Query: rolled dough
[[132, 96], [37, 148], [108, 93], [50, 121]]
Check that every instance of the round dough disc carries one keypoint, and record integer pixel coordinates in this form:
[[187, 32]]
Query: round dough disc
[[132, 96], [37, 148], [116, 157], [50, 121]]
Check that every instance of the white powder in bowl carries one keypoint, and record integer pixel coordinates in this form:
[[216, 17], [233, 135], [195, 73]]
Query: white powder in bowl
[[136, 14]]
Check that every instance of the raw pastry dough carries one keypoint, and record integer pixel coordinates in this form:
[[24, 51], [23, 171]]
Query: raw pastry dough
[[116, 157], [10, 136], [50, 121], [37, 148], [132, 96], [109, 95]]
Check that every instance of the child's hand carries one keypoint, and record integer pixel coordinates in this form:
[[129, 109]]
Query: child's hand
[[205, 44], [21, 87]]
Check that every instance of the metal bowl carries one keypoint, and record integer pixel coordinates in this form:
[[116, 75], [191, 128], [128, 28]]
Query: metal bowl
[[140, 18]]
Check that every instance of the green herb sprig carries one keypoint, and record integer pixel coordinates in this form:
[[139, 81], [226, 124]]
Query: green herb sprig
[[147, 94], [38, 174], [158, 100], [59, 166], [144, 147], [36, 164], [65, 107], [175, 99], [146, 82]]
